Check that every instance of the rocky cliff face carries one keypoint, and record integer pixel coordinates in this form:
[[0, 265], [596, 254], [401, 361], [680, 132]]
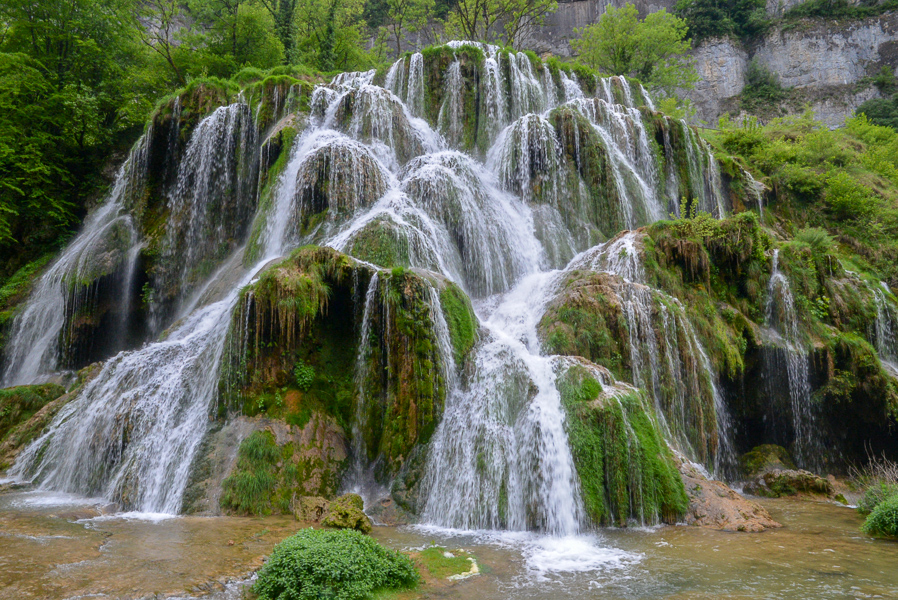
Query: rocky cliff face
[[827, 63]]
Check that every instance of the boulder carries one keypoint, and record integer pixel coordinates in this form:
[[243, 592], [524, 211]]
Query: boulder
[[310, 509], [347, 512], [714, 505], [775, 483], [765, 458]]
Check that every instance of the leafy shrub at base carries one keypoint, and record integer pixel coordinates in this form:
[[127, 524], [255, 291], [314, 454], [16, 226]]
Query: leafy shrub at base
[[883, 521], [339, 565]]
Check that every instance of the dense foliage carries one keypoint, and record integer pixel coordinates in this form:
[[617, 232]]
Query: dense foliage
[[721, 18], [342, 565], [651, 49], [844, 181]]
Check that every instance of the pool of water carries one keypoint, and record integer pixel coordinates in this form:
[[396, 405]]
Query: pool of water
[[58, 547]]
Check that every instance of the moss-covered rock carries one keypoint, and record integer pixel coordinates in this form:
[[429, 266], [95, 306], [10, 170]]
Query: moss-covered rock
[[28, 410], [347, 512], [763, 458], [382, 242], [18, 404], [293, 349], [625, 468], [373, 115], [277, 466], [775, 483], [587, 319]]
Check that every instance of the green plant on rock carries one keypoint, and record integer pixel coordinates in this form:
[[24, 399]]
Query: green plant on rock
[[625, 468], [304, 375], [339, 565]]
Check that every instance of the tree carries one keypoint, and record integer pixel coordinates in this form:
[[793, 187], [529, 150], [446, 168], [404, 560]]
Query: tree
[[283, 12], [408, 16], [237, 33], [329, 34], [719, 18], [653, 50], [491, 20], [163, 22]]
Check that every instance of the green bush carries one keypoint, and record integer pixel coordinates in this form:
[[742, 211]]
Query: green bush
[[883, 521], [881, 111], [338, 565], [876, 494], [304, 375], [847, 198]]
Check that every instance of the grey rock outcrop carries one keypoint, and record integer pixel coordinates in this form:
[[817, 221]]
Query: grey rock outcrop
[[827, 65]]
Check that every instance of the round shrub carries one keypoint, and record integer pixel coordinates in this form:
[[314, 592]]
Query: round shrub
[[338, 565], [883, 521]]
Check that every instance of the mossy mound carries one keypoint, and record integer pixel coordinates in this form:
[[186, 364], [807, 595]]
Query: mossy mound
[[371, 114], [587, 320], [788, 482], [293, 349], [763, 458], [382, 242], [333, 182], [343, 565], [627, 472], [589, 201], [347, 512], [18, 404], [644, 337]]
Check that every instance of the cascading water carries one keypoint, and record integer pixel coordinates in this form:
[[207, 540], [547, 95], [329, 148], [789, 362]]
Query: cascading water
[[668, 360], [500, 456], [781, 316], [885, 328], [106, 246], [208, 206]]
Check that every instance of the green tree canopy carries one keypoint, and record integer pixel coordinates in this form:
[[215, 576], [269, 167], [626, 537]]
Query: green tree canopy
[[719, 18], [653, 50], [496, 20]]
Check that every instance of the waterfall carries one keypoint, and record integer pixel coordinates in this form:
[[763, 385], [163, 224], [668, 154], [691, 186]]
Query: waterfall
[[500, 457], [782, 317], [369, 163], [885, 328], [106, 246], [208, 206]]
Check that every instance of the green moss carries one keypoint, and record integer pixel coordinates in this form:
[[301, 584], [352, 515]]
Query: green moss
[[625, 468], [763, 457], [583, 322], [383, 243], [460, 318], [18, 404], [434, 559], [268, 478]]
